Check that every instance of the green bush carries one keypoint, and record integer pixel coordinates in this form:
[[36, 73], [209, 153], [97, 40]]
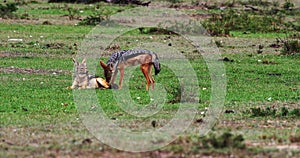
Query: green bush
[[257, 3], [225, 140], [291, 47], [255, 112], [99, 16], [231, 20], [288, 5], [6, 11], [74, 1], [93, 20], [273, 112], [72, 12], [174, 1]]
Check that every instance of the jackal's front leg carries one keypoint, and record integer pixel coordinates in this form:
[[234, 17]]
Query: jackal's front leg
[[121, 78], [152, 81], [74, 85], [112, 81]]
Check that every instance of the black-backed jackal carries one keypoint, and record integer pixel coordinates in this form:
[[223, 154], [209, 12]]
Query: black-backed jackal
[[83, 80], [120, 60]]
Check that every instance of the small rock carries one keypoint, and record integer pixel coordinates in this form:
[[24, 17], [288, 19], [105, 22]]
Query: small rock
[[199, 120], [153, 123], [15, 40], [229, 111], [87, 141]]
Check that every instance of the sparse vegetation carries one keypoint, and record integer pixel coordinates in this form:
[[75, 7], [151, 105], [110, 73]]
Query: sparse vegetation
[[7, 10], [273, 112], [93, 19], [291, 45], [174, 1], [268, 17], [224, 140], [231, 20], [288, 5]]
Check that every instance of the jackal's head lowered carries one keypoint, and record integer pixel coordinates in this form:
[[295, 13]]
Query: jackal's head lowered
[[108, 70]]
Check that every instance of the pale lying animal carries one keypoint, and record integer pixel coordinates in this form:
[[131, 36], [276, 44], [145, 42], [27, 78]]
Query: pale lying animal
[[83, 80]]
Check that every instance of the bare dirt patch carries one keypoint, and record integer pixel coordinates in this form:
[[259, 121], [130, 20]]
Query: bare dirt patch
[[73, 140], [10, 54], [51, 20], [246, 45], [32, 71]]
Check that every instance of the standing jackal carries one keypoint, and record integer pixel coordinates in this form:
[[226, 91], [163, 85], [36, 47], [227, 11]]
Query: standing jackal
[[83, 80], [120, 60]]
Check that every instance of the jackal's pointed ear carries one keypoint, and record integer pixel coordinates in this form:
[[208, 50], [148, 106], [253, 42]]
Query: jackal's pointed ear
[[84, 61], [103, 65], [74, 61]]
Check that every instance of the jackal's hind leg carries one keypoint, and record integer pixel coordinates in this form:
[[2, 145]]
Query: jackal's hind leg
[[145, 70]]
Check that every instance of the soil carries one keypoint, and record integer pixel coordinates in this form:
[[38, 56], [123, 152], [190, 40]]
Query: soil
[[32, 71]]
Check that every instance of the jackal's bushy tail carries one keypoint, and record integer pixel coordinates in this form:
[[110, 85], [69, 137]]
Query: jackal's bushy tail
[[156, 63]]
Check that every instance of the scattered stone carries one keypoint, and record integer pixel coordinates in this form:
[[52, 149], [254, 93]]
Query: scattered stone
[[87, 141], [229, 111], [47, 23], [199, 120], [153, 123], [15, 40], [226, 59]]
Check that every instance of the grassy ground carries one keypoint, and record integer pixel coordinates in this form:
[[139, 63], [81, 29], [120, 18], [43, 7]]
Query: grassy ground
[[39, 116]]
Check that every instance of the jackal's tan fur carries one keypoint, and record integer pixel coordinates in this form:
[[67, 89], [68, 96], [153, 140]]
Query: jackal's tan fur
[[83, 80]]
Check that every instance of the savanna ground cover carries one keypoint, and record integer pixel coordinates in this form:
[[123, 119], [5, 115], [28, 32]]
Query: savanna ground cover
[[259, 44]]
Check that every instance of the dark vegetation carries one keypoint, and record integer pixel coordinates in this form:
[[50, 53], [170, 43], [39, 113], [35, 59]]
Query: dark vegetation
[[268, 18], [291, 45], [137, 2], [7, 10], [273, 112], [224, 140]]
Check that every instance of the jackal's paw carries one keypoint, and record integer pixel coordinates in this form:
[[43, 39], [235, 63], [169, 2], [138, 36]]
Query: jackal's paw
[[70, 87], [114, 86]]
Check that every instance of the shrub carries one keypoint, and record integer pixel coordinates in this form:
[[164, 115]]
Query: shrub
[[291, 46], [174, 1], [231, 20], [273, 112], [72, 12], [74, 1], [6, 11], [288, 5], [94, 19], [97, 18], [295, 112], [263, 112], [257, 2], [225, 140]]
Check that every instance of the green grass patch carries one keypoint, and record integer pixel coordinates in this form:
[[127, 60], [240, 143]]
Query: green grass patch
[[42, 11], [55, 30], [22, 93], [249, 79], [46, 63], [245, 34], [56, 39]]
